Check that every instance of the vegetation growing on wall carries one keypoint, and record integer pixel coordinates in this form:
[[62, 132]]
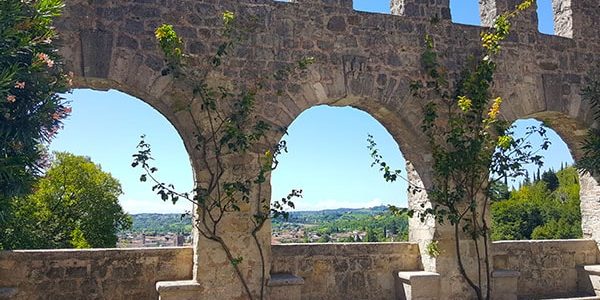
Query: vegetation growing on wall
[[590, 162], [226, 129], [468, 144]]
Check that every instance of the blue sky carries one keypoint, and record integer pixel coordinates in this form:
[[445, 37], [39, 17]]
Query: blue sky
[[327, 156]]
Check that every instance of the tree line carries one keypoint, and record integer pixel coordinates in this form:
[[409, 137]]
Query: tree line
[[545, 207]]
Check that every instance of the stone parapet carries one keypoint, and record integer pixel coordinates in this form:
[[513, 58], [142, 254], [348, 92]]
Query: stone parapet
[[548, 268], [91, 274], [346, 271], [504, 284]]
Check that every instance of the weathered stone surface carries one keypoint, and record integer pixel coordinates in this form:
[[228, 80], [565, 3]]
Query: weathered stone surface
[[90, 274], [346, 271], [546, 268]]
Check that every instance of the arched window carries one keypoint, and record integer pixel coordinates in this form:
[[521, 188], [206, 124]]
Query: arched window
[[106, 127], [544, 202], [345, 198]]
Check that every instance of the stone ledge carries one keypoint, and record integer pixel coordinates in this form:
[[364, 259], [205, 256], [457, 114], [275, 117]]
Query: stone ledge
[[164, 287], [592, 269], [285, 279], [505, 274], [411, 275], [417, 285]]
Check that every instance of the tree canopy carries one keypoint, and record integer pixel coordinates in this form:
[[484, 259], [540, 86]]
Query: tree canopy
[[543, 209], [31, 76], [31, 111], [75, 205]]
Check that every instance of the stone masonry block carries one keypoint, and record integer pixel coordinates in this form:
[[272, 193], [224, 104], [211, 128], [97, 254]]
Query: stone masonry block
[[418, 285]]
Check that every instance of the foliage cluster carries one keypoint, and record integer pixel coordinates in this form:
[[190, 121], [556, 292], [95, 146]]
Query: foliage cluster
[[75, 205], [547, 208], [31, 75], [591, 145]]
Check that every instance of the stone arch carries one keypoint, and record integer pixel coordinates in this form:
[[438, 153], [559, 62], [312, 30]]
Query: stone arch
[[388, 102], [572, 131]]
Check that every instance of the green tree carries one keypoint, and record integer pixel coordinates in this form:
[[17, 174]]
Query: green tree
[[499, 191], [31, 75], [549, 177], [538, 212], [74, 205], [371, 235]]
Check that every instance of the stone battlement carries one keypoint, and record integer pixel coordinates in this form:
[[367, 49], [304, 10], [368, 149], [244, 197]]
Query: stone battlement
[[572, 19]]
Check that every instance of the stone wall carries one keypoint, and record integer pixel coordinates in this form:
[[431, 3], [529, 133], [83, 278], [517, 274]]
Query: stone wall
[[330, 271], [548, 268], [91, 274], [346, 271]]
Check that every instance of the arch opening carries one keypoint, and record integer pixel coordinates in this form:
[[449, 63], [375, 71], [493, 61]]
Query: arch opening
[[344, 198], [105, 128], [543, 203]]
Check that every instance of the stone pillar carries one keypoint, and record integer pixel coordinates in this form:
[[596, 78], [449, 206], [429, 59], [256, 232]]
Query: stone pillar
[[452, 284], [577, 18], [490, 9], [590, 206], [214, 276], [421, 8]]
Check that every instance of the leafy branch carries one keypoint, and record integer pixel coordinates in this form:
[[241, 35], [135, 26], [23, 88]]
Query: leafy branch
[[226, 130], [471, 147]]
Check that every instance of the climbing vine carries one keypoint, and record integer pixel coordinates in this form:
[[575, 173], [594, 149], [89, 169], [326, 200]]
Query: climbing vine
[[472, 147], [226, 129]]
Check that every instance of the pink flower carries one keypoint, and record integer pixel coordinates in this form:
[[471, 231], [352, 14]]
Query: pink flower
[[67, 110], [55, 116], [20, 85], [42, 56], [11, 98]]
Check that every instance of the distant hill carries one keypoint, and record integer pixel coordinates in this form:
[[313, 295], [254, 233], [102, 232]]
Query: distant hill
[[340, 219], [320, 216], [161, 223]]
